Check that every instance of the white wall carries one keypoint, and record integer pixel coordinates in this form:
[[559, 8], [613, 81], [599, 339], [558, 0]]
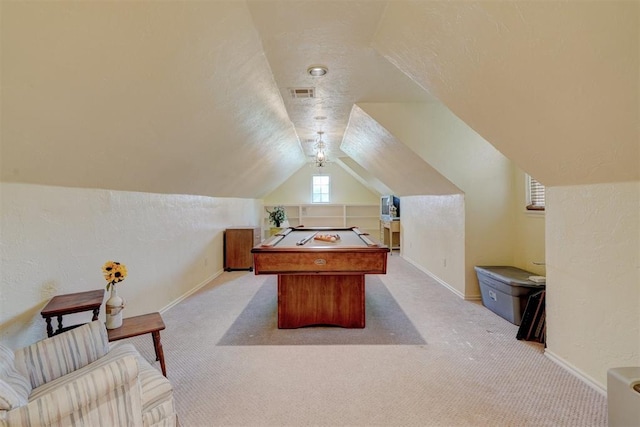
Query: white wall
[[344, 188], [559, 96], [540, 80], [593, 277], [433, 235], [183, 88], [529, 230], [473, 165], [55, 241]]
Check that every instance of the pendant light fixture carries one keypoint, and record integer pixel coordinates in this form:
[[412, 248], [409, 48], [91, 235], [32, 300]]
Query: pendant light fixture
[[320, 158]]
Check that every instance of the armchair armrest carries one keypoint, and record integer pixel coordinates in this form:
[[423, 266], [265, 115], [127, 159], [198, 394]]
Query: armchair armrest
[[107, 395], [54, 357]]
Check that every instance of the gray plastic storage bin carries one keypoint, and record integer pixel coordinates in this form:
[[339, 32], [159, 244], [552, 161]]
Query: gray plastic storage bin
[[505, 290]]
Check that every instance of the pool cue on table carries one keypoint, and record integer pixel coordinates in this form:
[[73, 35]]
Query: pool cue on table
[[306, 239]]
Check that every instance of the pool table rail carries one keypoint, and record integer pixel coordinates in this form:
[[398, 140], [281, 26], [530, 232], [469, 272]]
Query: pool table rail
[[351, 255], [343, 261], [277, 238]]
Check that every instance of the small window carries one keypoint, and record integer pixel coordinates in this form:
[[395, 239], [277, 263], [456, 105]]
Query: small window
[[535, 195], [320, 189]]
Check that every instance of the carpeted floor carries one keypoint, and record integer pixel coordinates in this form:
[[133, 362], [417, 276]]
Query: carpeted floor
[[468, 370], [386, 323]]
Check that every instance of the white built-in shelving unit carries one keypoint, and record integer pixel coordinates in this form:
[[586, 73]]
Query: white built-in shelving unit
[[365, 217]]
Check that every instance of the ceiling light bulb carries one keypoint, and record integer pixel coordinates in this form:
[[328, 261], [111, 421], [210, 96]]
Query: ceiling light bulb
[[317, 70]]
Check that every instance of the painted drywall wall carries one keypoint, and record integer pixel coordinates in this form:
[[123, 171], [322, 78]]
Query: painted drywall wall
[[55, 241], [387, 158], [529, 230], [540, 80], [474, 166], [564, 80], [433, 235], [183, 88], [344, 188], [593, 277]]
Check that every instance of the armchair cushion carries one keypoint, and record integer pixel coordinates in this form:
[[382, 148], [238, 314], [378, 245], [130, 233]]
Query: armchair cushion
[[9, 399], [14, 387], [51, 358], [105, 395], [155, 387]]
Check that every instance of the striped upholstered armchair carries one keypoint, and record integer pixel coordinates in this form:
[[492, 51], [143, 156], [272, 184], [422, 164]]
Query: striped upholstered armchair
[[74, 379]]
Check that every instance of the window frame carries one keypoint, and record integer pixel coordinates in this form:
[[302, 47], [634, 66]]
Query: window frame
[[533, 190], [313, 185]]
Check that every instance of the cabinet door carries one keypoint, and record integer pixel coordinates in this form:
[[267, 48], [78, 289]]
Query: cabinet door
[[237, 248]]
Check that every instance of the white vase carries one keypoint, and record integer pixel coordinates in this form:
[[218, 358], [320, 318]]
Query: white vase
[[114, 307]]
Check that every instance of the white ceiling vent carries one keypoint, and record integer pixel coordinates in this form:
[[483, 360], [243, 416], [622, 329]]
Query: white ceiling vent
[[302, 92]]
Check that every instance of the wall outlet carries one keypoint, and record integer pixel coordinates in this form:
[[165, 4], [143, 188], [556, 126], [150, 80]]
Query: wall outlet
[[444, 262]]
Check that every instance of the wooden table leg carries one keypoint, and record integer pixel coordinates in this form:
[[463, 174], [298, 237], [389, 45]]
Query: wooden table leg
[[59, 324], [305, 300], [49, 327], [157, 344]]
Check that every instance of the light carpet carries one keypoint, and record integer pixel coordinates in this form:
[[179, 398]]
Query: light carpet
[[471, 372]]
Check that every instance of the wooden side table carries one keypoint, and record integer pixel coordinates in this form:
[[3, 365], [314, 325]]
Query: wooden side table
[[61, 305], [139, 325]]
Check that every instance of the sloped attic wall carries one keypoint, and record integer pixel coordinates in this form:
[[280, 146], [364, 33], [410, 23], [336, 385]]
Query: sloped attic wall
[[117, 96], [156, 97], [451, 233], [344, 188], [388, 159], [554, 86], [363, 176], [549, 84]]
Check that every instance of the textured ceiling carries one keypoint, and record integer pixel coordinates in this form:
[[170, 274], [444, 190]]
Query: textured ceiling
[[379, 152], [553, 85], [183, 97], [193, 97], [336, 34]]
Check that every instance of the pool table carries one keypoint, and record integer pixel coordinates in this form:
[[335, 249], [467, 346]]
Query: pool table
[[320, 282]]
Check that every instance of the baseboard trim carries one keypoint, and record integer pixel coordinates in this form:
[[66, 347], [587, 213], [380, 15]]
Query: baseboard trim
[[576, 372], [433, 276], [191, 291]]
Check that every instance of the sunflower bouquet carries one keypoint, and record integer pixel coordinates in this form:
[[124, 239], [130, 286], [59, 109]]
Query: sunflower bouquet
[[114, 272]]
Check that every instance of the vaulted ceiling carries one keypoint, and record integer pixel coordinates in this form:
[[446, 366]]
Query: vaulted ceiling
[[195, 97]]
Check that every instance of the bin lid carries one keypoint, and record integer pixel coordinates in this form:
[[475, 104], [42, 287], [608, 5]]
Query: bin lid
[[509, 274]]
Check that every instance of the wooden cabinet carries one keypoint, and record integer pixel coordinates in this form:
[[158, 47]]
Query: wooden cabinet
[[238, 242]]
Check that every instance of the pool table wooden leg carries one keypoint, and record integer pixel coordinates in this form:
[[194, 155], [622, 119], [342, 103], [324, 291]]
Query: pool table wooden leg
[[305, 300]]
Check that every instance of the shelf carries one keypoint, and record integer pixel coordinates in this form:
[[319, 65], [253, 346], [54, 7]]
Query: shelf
[[365, 217], [363, 210]]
